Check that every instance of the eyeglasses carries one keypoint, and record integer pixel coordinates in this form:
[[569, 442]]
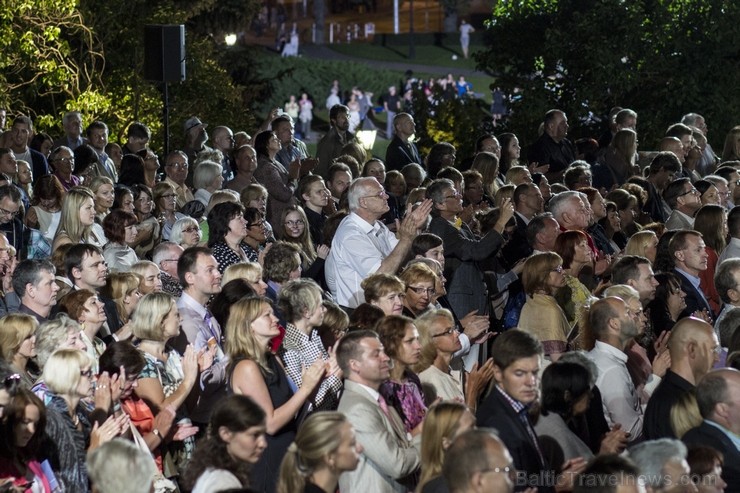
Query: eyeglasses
[[87, 373], [4, 212], [422, 290], [11, 383], [717, 349], [449, 331], [558, 269], [178, 166], [381, 194], [506, 470], [298, 222], [67, 160], [693, 191], [191, 229]]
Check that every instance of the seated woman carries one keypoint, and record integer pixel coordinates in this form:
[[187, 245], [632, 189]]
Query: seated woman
[[334, 325], [149, 276], [123, 199], [706, 469], [420, 282], [78, 219], [233, 444], [102, 189], [255, 196], [324, 448], [21, 453], [612, 225], [402, 390], [46, 206], [384, 291], [60, 333], [250, 272], [293, 229], [300, 303], [84, 307], [185, 232], [444, 422], [231, 292], [227, 230], [572, 246], [207, 178], [315, 197], [256, 372], [541, 315], [165, 208], [18, 344], [628, 210], [167, 378], [440, 341], [711, 222], [120, 230], [643, 243], [566, 392], [256, 239], [148, 227], [69, 428], [670, 300]]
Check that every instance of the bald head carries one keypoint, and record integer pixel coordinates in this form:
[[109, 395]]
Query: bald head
[[694, 348]]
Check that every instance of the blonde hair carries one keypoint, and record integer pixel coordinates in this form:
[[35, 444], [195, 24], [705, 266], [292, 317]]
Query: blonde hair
[[147, 321], [441, 422], [308, 252], [249, 271], [685, 414], [486, 163], [622, 291], [240, 341], [69, 222], [638, 242], [98, 182], [62, 370], [319, 436], [14, 329], [221, 197], [424, 325], [52, 334], [118, 286]]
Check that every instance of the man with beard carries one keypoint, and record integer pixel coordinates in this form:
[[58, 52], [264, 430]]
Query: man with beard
[[613, 326], [330, 146], [33, 282]]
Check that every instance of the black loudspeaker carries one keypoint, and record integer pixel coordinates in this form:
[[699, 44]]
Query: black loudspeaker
[[164, 53]]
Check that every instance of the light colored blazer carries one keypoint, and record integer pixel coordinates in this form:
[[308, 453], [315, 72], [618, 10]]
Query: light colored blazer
[[388, 454]]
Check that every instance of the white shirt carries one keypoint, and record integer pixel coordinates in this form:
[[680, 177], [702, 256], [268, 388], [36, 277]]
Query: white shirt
[[620, 398], [356, 252], [732, 250]]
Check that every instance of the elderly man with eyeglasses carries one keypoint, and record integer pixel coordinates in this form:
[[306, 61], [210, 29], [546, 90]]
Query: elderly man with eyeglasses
[[363, 245], [176, 169]]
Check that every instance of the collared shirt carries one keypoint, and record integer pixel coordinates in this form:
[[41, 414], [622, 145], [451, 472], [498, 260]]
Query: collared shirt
[[521, 411], [733, 437], [732, 250], [299, 351], [522, 217], [357, 251], [24, 309], [193, 316], [294, 149], [694, 280], [184, 195], [620, 398]]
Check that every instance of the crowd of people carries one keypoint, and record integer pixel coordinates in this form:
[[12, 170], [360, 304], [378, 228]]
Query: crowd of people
[[247, 317]]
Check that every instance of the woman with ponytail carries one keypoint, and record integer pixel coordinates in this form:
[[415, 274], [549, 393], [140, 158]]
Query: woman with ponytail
[[324, 448]]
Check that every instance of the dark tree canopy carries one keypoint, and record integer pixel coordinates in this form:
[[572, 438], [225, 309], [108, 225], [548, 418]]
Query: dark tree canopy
[[661, 58]]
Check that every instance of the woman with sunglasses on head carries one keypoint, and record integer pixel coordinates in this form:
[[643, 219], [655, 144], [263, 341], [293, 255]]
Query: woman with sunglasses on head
[[70, 430], [541, 315]]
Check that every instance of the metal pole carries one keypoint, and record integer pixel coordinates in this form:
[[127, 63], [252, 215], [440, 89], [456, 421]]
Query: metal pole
[[412, 48], [166, 118]]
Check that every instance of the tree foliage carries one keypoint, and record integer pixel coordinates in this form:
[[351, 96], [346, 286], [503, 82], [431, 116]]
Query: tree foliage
[[88, 55], [662, 58]]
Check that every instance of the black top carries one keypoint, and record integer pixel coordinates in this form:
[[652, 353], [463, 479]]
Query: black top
[[557, 154], [657, 421]]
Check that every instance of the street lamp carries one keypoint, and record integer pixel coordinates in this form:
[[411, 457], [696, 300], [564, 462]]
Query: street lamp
[[230, 39]]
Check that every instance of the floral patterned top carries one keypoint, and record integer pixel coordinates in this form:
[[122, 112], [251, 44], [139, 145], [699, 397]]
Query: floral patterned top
[[407, 399], [572, 298]]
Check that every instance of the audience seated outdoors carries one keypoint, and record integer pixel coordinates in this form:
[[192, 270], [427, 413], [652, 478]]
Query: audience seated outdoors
[[297, 324]]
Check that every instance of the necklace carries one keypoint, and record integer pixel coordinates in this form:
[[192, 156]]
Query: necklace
[[75, 420]]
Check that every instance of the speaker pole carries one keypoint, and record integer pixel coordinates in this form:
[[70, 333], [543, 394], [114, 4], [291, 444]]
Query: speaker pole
[[166, 119]]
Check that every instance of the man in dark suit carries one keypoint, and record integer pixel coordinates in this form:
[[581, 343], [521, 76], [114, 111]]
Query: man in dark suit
[[718, 396], [688, 251], [390, 455], [528, 201], [516, 356], [20, 133], [693, 346], [400, 151]]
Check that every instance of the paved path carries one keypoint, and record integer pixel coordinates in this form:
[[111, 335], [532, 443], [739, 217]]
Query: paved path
[[323, 52]]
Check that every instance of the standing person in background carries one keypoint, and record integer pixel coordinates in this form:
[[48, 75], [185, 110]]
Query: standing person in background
[[305, 116], [392, 106], [465, 30]]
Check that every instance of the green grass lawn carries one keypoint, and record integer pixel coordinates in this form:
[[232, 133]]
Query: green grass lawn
[[425, 54]]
